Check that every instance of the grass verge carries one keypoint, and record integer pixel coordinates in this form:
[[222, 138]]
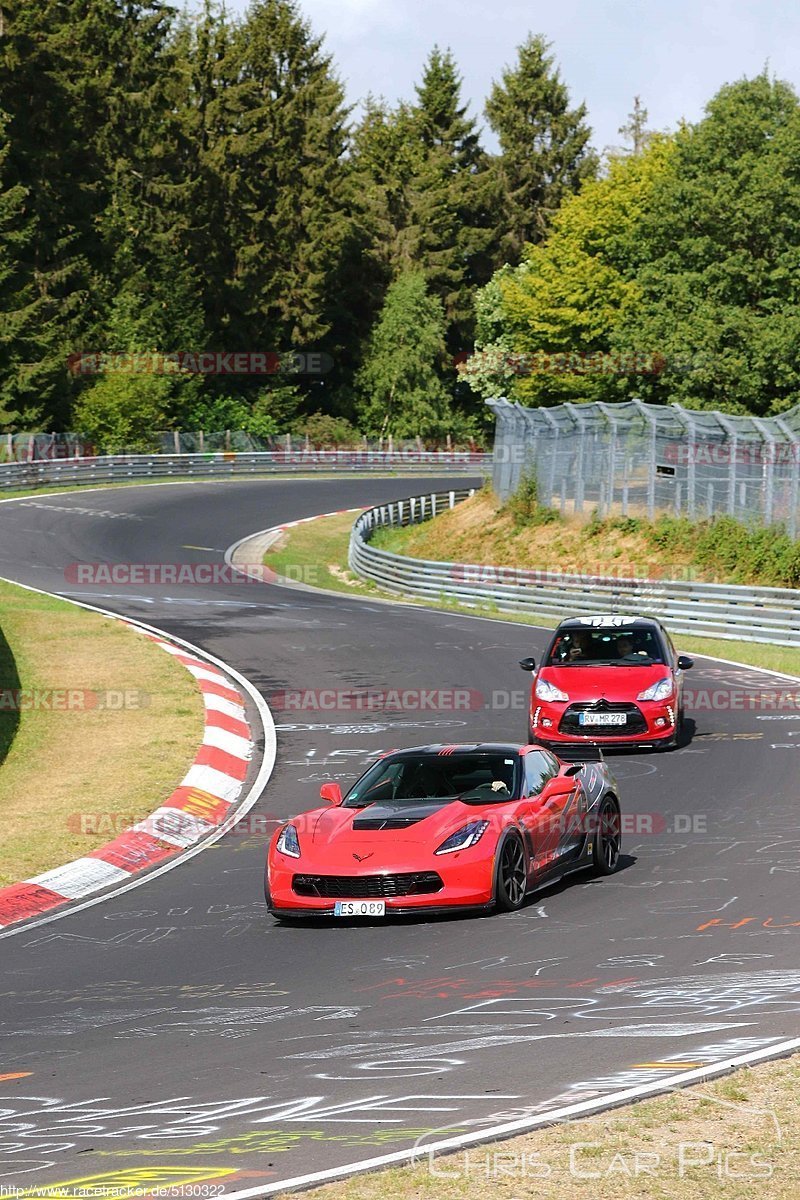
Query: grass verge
[[524, 533], [92, 696], [316, 554], [730, 1139]]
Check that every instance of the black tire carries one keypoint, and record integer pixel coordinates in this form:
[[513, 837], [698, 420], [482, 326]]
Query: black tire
[[674, 742], [511, 883], [679, 728], [607, 838]]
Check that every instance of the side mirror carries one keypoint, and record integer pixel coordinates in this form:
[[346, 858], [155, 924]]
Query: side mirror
[[331, 792], [685, 663], [528, 664]]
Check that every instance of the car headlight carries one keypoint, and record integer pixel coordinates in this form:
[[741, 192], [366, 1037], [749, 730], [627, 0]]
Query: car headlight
[[660, 690], [288, 842], [548, 691], [462, 839]]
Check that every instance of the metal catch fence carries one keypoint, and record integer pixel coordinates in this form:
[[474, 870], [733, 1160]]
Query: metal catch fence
[[637, 459]]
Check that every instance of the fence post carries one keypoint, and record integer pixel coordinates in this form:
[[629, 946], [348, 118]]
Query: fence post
[[613, 421], [652, 422], [691, 473], [732, 447], [579, 471], [768, 473], [553, 455], [794, 489]]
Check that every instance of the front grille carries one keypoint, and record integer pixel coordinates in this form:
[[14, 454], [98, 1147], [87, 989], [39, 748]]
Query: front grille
[[570, 722], [367, 887]]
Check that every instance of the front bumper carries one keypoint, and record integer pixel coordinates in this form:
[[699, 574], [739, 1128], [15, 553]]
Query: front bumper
[[433, 910], [467, 882], [649, 723]]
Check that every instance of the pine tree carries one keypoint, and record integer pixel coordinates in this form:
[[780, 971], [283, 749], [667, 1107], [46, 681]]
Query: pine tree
[[15, 236], [441, 118], [545, 152], [428, 200], [635, 128], [147, 226], [55, 66], [453, 219], [400, 384], [281, 164]]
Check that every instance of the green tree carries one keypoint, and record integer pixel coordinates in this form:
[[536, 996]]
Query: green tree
[[544, 143], [719, 245], [15, 236], [281, 163], [427, 200], [454, 198], [123, 412], [560, 308], [400, 387], [56, 66]]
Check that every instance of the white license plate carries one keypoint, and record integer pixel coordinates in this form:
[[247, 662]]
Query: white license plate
[[360, 908], [602, 718]]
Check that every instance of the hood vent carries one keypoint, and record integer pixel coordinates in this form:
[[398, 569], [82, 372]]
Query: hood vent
[[397, 814]]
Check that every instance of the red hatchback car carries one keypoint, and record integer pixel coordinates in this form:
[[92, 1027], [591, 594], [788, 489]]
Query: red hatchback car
[[612, 680]]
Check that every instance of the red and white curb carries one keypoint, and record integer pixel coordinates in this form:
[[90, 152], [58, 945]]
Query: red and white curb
[[200, 810]]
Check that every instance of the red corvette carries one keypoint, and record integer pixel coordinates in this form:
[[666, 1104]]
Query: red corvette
[[444, 828], [611, 679]]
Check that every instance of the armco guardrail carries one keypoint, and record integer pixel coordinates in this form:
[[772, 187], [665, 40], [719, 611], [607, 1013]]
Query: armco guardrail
[[720, 610], [123, 468]]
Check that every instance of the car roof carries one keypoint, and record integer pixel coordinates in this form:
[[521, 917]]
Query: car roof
[[609, 621], [443, 749]]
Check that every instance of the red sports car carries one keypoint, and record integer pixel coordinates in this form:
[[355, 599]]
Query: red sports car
[[445, 828], [611, 679]]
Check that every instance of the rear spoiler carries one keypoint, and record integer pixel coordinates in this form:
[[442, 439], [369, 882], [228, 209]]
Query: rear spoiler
[[578, 752]]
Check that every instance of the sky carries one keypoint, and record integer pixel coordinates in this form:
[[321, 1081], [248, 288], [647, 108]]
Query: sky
[[675, 55]]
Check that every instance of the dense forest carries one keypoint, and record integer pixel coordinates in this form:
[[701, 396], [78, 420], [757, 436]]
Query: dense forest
[[176, 185]]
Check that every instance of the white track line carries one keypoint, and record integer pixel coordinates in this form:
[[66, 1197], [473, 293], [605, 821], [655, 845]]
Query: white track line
[[493, 1133]]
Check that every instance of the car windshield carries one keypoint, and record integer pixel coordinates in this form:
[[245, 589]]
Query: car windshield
[[631, 646], [436, 776]]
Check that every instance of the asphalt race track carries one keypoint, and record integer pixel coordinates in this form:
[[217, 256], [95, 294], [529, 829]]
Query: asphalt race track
[[178, 1033]]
